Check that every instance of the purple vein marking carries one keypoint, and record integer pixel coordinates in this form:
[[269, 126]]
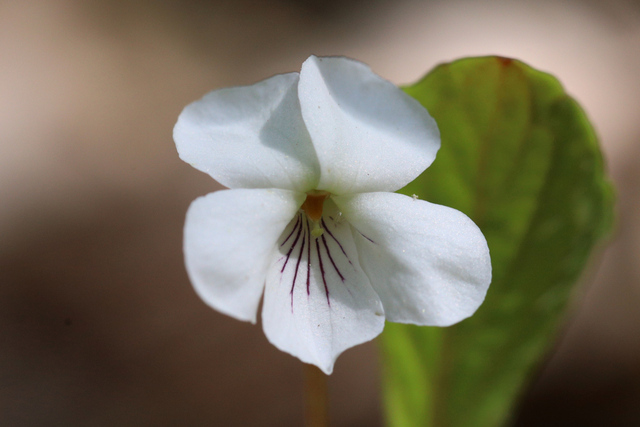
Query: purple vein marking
[[324, 225], [295, 275], [324, 242], [291, 249], [292, 231], [366, 237], [308, 259], [326, 289]]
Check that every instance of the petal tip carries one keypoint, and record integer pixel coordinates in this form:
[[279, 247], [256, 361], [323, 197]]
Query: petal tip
[[326, 369]]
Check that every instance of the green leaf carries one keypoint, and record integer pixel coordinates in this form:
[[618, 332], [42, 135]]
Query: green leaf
[[520, 158]]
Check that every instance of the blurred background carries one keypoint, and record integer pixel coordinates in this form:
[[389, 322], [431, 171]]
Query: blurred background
[[99, 325]]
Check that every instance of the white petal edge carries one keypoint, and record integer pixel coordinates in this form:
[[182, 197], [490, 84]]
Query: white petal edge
[[429, 264], [318, 326], [250, 136], [368, 134], [229, 240]]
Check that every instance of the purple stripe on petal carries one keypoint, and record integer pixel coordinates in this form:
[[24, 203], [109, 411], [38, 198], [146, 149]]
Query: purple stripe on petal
[[292, 230], [324, 280], [308, 258], [295, 275], [324, 225], [366, 237], [291, 249], [324, 242]]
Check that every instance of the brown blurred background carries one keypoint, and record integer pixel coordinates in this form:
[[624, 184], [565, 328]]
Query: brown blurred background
[[99, 325]]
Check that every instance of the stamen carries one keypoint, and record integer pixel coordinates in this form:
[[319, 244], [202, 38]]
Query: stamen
[[316, 231]]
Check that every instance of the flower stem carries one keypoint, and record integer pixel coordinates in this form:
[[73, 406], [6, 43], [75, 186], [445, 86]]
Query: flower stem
[[316, 397]]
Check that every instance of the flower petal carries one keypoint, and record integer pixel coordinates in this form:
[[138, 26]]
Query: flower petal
[[229, 241], [250, 137], [428, 263], [368, 134], [318, 302]]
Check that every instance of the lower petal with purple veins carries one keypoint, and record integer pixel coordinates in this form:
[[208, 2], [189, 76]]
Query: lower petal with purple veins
[[318, 302]]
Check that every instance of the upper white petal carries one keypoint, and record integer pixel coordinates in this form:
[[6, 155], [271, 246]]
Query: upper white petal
[[368, 134], [429, 264], [229, 241], [302, 317], [250, 137]]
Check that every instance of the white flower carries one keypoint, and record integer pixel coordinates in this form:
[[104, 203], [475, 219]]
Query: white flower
[[310, 220]]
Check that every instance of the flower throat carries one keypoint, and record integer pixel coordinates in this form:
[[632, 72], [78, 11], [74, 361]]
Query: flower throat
[[312, 206]]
